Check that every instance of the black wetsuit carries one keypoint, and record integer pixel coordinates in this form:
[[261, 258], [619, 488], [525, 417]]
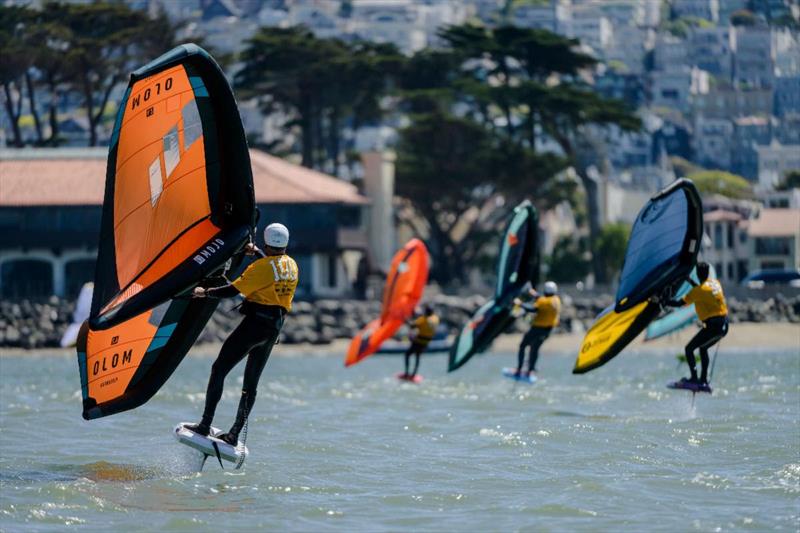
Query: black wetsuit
[[254, 337], [532, 340], [714, 329], [415, 349]]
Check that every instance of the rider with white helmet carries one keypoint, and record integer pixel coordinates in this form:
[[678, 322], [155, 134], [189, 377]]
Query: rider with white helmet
[[268, 287], [546, 310]]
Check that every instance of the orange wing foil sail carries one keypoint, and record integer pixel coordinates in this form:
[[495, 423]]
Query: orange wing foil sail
[[178, 204], [405, 284]]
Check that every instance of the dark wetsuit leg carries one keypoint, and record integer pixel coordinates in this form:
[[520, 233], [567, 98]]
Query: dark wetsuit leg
[[715, 328], [523, 346], [256, 361], [252, 334], [532, 340], [415, 349]]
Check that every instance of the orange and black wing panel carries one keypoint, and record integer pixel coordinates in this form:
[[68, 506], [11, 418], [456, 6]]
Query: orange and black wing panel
[[179, 189], [122, 367]]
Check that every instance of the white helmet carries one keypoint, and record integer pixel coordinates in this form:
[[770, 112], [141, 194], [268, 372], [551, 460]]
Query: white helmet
[[550, 288], [276, 236]]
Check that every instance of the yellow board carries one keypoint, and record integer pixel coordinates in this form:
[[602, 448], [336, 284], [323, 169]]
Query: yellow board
[[610, 333]]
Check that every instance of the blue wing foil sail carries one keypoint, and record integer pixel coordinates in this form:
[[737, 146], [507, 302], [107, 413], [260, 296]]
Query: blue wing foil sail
[[663, 246], [517, 264], [662, 251]]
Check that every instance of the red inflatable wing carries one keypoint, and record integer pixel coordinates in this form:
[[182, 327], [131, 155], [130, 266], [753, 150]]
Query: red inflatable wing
[[405, 283]]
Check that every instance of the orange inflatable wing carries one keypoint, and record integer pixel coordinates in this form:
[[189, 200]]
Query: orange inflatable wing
[[405, 284]]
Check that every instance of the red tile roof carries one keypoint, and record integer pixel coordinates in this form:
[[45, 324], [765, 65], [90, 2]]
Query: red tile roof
[[721, 214], [775, 223], [77, 177]]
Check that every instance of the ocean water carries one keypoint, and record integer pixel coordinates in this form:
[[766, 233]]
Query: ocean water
[[355, 450]]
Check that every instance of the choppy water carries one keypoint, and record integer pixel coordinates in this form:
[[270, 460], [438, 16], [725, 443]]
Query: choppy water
[[344, 450]]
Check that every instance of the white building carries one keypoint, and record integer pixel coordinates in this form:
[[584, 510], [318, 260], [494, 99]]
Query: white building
[[774, 160], [754, 61], [670, 52], [775, 239], [389, 21], [592, 28], [711, 142], [729, 248], [704, 9], [726, 102], [319, 16], [629, 46], [553, 15], [789, 199], [435, 15], [677, 89], [786, 45], [787, 95], [711, 49]]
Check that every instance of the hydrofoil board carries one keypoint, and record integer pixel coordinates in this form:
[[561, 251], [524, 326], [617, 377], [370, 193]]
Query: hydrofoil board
[[688, 385], [511, 373], [212, 446], [403, 377]]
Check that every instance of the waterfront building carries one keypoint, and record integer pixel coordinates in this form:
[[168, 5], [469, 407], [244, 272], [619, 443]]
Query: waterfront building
[[775, 239], [729, 247], [51, 204], [774, 161]]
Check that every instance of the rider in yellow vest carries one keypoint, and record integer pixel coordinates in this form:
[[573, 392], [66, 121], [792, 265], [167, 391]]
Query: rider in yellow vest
[[709, 304], [547, 310], [268, 286], [425, 328]]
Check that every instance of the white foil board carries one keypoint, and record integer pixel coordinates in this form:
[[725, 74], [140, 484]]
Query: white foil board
[[205, 445]]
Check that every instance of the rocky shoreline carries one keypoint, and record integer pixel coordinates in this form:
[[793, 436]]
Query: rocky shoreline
[[31, 324]]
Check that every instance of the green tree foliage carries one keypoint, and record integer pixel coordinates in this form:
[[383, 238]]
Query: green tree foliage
[[318, 83], [743, 17], [451, 168], [569, 261], [680, 27], [719, 182], [611, 245], [791, 180], [85, 49], [107, 41], [521, 86], [15, 61], [683, 167]]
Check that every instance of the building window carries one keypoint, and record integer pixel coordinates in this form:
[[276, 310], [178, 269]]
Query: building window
[[773, 245], [772, 265], [730, 235], [718, 268], [305, 275], [76, 273], [742, 268], [718, 236], [349, 216], [742, 237], [24, 278], [332, 270], [730, 271]]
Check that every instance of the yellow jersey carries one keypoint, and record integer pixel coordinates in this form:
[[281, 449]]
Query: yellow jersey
[[548, 309], [426, 328], [270, 280], [708, 300]]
